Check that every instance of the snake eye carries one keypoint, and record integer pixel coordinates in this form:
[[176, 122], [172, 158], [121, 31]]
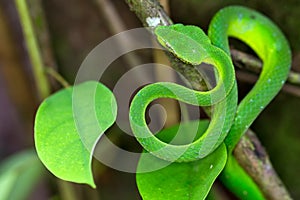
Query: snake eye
[[252, 16]]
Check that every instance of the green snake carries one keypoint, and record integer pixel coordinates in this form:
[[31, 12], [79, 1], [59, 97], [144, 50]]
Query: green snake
[[229, 121]]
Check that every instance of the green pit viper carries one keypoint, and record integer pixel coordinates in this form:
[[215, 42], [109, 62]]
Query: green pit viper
[[229, 121]]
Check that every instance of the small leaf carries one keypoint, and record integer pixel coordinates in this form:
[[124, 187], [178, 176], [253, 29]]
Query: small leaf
[[189, 181], [19, 174], [68, 125]]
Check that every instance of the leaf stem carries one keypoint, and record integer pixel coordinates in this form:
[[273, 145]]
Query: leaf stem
[[57, 77]]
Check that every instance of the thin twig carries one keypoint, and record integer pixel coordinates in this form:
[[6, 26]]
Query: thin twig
[[40, 26], [42, 84], [151, 8], [251, 78], [43, 37], [252, 64]]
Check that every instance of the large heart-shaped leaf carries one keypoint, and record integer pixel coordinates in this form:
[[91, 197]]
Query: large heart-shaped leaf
[[68, 125], [189, 181]]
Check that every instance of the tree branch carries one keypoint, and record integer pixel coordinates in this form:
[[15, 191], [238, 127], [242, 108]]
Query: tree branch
[[252, 64], [147, 9], [249, 150], [252, 156]]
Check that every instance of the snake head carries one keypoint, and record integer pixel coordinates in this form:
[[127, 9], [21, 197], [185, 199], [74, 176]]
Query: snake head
[[188, 43]]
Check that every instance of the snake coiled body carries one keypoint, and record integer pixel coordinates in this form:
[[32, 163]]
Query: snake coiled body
[[229, 121]]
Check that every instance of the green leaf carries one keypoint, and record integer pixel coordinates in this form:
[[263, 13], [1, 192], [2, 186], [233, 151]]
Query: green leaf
[[189, 181], [19, 174], [68, 125]]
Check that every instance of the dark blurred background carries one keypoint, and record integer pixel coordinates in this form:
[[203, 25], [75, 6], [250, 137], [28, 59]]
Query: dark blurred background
[[74, 28]]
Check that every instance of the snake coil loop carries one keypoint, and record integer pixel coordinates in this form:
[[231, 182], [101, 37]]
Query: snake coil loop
[[228, 122]]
